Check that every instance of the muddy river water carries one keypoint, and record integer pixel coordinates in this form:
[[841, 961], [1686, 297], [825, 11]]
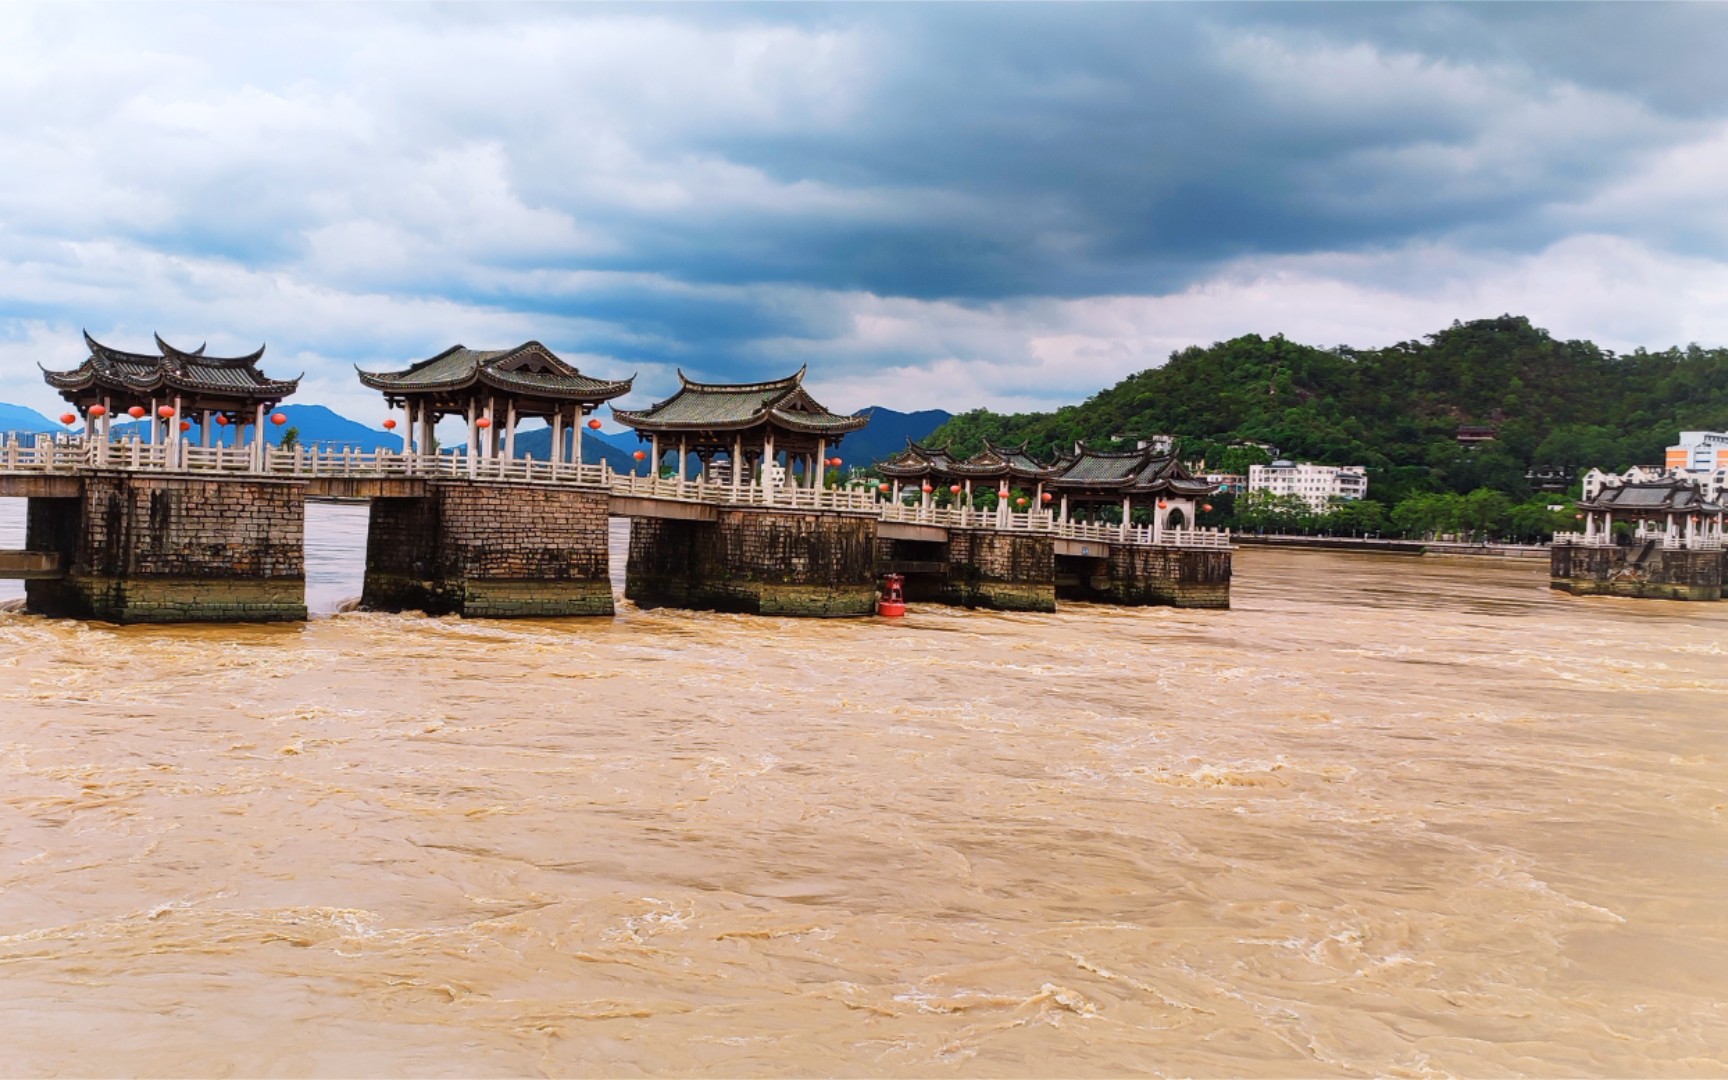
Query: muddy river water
[[1386, 816]]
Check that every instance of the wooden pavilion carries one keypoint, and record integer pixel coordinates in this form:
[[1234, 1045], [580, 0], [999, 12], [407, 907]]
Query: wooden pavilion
[[1090, 479], [168, 388], [750, 423], [1671, 512], [494, 391]]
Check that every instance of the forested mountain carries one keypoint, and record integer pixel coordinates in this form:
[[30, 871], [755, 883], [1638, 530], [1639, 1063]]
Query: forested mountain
[[1397, 410]]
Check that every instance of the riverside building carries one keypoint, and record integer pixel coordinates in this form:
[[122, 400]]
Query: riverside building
[[1317, 485]]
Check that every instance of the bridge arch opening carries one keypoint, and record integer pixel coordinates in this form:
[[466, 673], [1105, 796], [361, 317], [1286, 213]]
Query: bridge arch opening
[[335, 553]]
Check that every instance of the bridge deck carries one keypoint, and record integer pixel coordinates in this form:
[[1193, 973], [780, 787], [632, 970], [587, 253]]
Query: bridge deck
[[52, 468]]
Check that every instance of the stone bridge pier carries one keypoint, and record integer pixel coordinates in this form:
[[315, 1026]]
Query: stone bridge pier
[[756, 561], [137, 548], [490, 549]]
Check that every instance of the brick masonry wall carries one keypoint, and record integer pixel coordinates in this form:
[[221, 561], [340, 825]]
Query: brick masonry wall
[[1176, 576], [1664, 575], [1000, 571], [176, 549], [758, 562], [490, 550]]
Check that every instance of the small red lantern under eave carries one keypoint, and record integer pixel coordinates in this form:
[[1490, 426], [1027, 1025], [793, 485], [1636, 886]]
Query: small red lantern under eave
[[640, 455], [1046, 497], [1162, 504], [98, 411], [483, 423], [882, 487], [165, 411], [221, 421], [953, 489], [1206, 507], [278, 418], [185, 425], [928, 489], [1580, 517], [594, 424], [389, 425], [68, 418], [834, 461], [1021, 501], [137, 412]]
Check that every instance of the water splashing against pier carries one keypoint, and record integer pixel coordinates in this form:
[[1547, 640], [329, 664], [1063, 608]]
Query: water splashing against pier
[[1385, 816]]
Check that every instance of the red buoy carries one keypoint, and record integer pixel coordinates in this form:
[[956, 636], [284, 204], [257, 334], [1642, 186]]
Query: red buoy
[[892, 603]]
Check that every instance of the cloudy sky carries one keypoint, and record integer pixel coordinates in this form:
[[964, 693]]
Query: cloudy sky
[[933, 206]]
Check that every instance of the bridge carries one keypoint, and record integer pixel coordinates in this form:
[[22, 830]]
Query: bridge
[[148, 530]]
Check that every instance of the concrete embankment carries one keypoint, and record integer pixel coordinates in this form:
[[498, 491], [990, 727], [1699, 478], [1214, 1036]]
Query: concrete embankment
[[1383, 546]]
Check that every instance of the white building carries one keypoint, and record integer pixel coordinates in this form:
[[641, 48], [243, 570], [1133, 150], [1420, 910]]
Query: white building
[[1701, 456], [1318, 485]]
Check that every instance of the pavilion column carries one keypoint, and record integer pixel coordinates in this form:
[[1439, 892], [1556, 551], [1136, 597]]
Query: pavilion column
[[1128, 514], [258, 439], [555, 455], [654, 443], [473, 434], [821, 463], [683, 449], [1608, 524], [510, 433], [968, 493], [204, 430], [176, 444], [737, 463], [768, 467], [896, 493], [1064, 508], [152, 419], [1038, 496]]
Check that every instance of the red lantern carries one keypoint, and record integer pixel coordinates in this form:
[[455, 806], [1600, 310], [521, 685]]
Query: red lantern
[[640, 455], [483, 423], [185, 425], [1046, 496], [594, 423], [165, 411], [278, 418], [1162, 504], [98, 411], [881, 487], [1206, 507], [928, 489], [1021, 501], [221, 420], [136, 412], [68, 419], [389, 425], [954, 489], [1580, 517], [834, 461]]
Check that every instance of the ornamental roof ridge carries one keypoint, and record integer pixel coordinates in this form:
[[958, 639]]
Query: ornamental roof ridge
[[785, 383], [197, 356]]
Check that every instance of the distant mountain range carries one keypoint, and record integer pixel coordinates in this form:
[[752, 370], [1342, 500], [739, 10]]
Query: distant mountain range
[[319, 426]]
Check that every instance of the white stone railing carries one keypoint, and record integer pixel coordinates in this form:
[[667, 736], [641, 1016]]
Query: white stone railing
[[1043, 521], [1578, 539]]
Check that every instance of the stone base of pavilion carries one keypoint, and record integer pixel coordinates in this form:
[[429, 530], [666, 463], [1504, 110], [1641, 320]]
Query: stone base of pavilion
[[1640, 570], [757, 562], [172, 549], [485, 549], [999, 571], [1178, 577]]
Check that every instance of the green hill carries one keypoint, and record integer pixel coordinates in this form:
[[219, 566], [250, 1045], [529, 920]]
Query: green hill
[[1397, 410]]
